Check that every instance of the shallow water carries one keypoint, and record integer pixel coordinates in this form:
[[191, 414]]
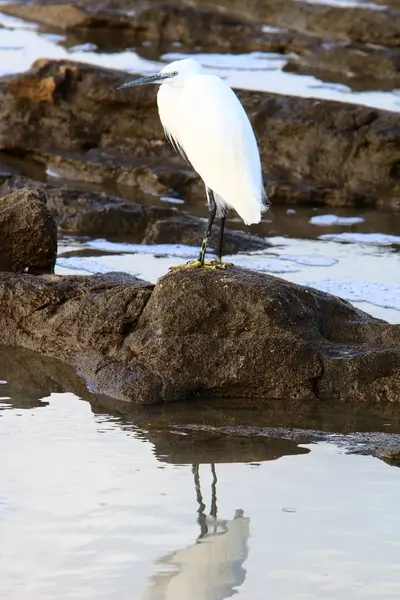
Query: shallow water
[[362, 267], [91, 508], [22, 43]]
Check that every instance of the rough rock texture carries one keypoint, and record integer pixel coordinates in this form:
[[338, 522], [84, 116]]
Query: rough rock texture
[[224, 333], [313, 151], [28, 233], [235, 435], [91, 214]]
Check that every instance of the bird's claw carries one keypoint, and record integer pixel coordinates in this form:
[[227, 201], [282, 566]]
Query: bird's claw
[[207, 264], [222, 265]]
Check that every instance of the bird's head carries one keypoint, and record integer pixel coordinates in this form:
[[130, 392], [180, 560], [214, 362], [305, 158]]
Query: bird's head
[[174, 74]]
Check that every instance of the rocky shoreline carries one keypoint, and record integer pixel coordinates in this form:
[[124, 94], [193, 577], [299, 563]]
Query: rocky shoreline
[[70, 117], [227, 333], [351, 42]]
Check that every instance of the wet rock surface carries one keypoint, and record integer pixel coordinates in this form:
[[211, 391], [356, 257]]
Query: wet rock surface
[[235, 434], [269, 26], [88, 213], [198, 333], [28, 238], [71, 117]]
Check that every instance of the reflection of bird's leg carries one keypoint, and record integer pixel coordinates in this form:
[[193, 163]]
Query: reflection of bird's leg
[[214, 509], [202, 517]]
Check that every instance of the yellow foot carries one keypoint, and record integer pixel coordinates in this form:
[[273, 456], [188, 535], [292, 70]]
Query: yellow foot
[[208, 264], [218, 264]]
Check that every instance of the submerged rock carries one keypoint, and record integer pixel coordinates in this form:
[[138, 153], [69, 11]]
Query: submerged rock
[[70, 115], [199, 332], [28, 233]]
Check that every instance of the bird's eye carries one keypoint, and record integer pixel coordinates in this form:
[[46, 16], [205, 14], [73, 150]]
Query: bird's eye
[[175, 73]]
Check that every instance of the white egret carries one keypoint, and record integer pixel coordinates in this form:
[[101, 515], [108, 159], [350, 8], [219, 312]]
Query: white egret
[[205, 121]]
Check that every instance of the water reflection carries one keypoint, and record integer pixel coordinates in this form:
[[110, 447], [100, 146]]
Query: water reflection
[[140, 506], [212, 567]]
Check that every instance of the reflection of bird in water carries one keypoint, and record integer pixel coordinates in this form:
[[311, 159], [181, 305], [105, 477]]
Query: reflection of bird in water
[[211, 568]]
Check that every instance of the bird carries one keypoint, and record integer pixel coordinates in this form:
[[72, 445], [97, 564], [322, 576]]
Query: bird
[[205, 122]]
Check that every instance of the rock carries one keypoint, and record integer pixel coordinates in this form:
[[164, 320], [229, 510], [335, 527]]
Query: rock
[[230, 26], [359, 63], [311, 150], [29, 377], [101, 215], [205, 333], [235, 435], [189, 230], [28, 240]]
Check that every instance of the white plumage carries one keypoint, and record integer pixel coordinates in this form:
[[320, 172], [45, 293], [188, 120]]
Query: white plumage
[[205, 121]]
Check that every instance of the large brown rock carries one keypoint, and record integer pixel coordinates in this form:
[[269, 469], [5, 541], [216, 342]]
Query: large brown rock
[[28, 233], [224, 333], [312, 150]]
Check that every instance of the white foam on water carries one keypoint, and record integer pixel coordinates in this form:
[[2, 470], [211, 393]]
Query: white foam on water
[[84, 265], [253, 61], [309, 260], [88, 47], [171, 200], [378, 294], [261, 263], [180, 250], [346, 4], [379, 239], [52, 173], [272, 29], [335, 220]]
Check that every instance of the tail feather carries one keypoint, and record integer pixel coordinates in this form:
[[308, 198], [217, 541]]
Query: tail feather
[[250, 212]]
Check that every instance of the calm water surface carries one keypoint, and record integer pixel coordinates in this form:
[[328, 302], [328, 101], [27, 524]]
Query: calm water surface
[[90, 508]]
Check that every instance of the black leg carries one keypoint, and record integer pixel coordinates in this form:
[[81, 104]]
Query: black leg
[[221, 236], [212, 207]]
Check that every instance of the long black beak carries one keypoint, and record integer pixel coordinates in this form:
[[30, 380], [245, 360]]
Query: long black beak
[[157, 78]]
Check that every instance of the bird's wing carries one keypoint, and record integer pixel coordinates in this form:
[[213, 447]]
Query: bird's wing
[[167, 99], [215, 133], [176, 145]]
